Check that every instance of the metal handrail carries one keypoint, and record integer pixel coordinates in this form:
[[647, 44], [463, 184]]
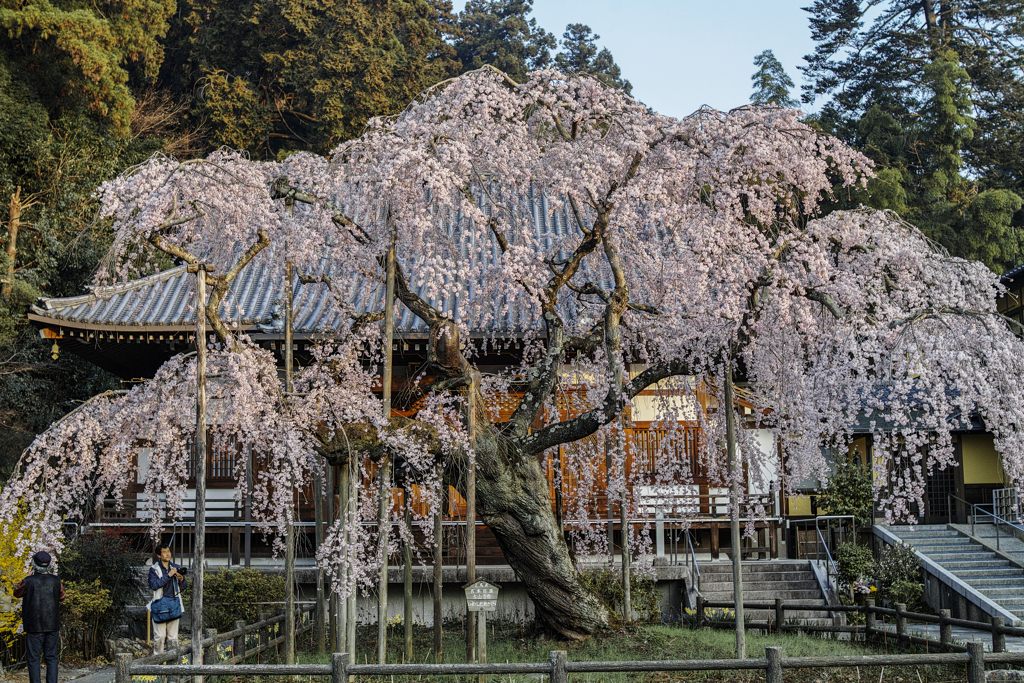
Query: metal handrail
[[693, 558], [995, 518]]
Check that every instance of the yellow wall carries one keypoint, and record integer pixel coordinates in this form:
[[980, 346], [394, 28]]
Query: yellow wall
[[799, 505], [981, 462]]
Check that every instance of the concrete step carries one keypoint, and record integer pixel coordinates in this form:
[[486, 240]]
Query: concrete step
[[718, 586], [759, 576], [994, 573], [766, 596], [966, 556], [1005, 592], [1006, 582], [973, 564]]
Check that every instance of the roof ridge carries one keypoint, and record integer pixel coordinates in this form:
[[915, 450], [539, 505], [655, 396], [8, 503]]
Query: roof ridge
[[108, 292]]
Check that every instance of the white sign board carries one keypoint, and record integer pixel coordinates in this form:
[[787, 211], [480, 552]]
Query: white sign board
[[481, 596]]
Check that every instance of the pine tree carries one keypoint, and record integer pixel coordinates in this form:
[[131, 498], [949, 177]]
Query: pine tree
[[580, 55], [771, 82], [498, 33]]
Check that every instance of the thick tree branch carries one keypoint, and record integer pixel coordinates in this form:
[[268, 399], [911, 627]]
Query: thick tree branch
[[589, 422]]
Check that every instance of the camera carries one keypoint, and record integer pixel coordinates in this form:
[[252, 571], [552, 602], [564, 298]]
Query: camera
[[183, 570]]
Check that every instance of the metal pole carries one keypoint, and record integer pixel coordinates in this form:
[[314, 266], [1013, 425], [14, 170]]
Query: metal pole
[[384, 503], [200, 269], [289, 557], [734, 474]]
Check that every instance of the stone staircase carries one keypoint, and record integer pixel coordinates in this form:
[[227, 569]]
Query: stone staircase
[[763, 582], [995, 578]]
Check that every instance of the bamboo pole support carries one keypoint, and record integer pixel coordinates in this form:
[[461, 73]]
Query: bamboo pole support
[[384, 472], [734, 522]]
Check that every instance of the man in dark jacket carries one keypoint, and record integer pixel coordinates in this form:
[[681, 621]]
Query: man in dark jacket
[[40, 615]]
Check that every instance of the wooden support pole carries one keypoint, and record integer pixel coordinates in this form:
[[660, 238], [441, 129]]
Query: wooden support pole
[[320, 625], [352, 608], [976, 664], [238, 645], [471, 526], [438, 580], [341, 631], [199, 533], [945, 628], [264, 635], [627, 593], [734, 488], [339, 667], [869, 616], [289, 552], [210, 651], [780, 614], [384, 502], [998, 636], [407, 574], [773, 672], [481, 642], [558, 659], [901, 620], [122, 668], [330, 514]]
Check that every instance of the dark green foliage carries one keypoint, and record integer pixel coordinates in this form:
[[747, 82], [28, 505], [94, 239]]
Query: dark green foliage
[[498, 33], [235, 594], [277, 77], [854, 562], [771, 82], [106, 556], [898, 575], [607, 584], [934, 92], [580, 55], [848, 491]]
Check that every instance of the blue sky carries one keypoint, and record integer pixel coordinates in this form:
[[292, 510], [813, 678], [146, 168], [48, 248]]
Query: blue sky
[[680, 54]]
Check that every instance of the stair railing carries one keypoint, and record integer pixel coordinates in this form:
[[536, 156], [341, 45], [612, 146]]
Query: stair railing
[[996, 519], [693, 559], [831, 572]]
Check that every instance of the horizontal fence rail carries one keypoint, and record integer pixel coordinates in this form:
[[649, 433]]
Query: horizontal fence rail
[[558, 667]]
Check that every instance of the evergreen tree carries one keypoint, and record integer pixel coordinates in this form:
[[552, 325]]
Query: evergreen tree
[[771, 82], [498, 33], [580, 55], [921, 170], [277, 77]]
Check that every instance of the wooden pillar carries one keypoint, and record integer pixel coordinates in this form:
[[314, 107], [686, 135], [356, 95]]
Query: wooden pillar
[[320, 625], [471, 525], [439, 577], [734, 486], [238, 645], [715, 541], [407, 575]]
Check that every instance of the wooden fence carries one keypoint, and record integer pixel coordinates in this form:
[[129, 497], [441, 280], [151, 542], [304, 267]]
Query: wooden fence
[[558, 667], [341, 670]]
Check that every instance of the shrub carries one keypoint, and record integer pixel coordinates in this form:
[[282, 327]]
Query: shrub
[[848, 491], [897, 572], [107, 559], [854, 562], [83, 611], [236, 594], [607, 584]]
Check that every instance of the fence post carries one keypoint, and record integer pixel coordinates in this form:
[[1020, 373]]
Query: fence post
[[945, 629], [780, 615], [558, 672], [901, 620], [998, 636], [123, 670], [869, 616], [339, 668], [264, 634], [773, 672], [238, 647], [210, 651], [700, 611], [976, 665]]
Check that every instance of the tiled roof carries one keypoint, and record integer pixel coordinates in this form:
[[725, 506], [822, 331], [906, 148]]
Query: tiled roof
[[166, 299]]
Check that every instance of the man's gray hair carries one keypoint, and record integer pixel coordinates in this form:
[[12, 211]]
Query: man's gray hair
[[48, 569]]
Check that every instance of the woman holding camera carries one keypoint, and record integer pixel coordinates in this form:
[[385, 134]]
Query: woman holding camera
[[167, 581]]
